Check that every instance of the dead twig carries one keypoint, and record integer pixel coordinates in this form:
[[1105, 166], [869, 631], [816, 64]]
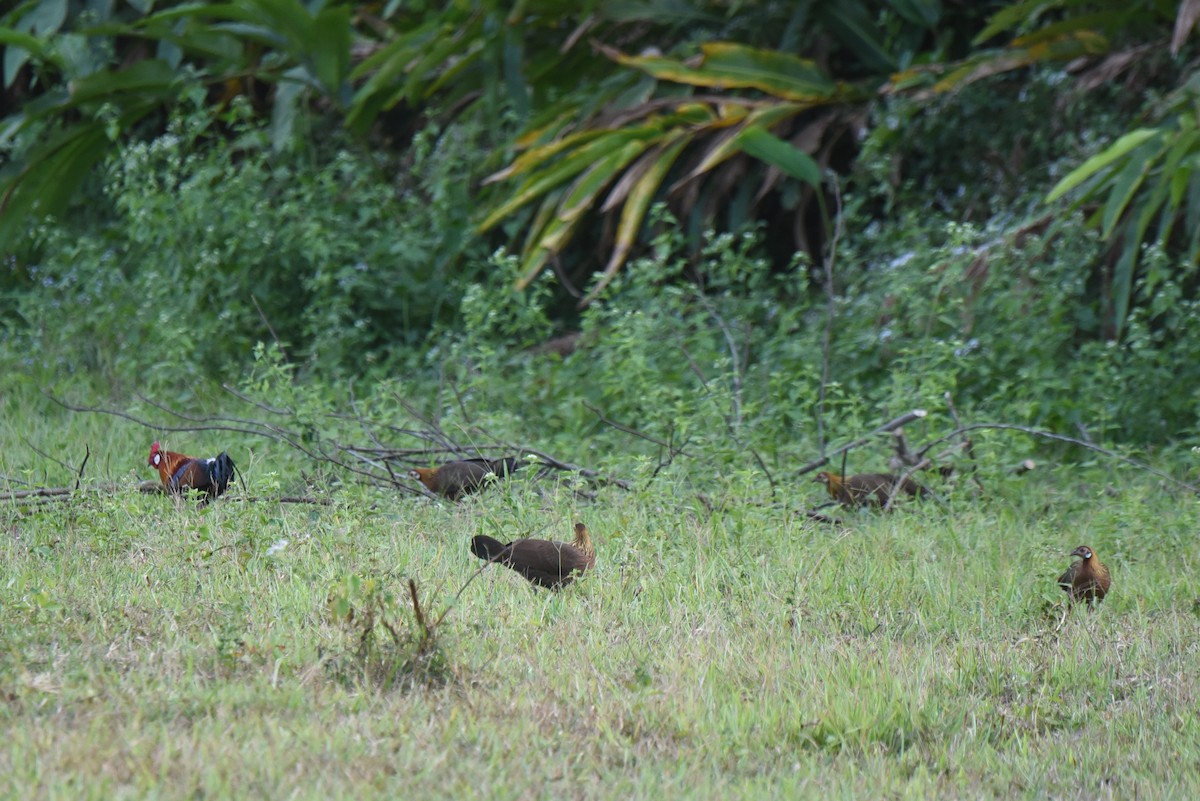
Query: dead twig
[[891, 425], [41, 492], [1033, 432], [87, 454], [633, 432]]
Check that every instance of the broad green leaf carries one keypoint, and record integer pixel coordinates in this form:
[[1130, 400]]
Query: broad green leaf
[[769, 148], [454, 68], [1085, 24], [1163, 192], [925, 13], [1101, 160], [1064, 48], [559, 173], [556, 231], [55, 170], [1009, 17], [149, 75], [996, 62], [18, 47], [581, 194], [632, 176], [634, 213], [1123, 283], [533, 159], [329, 49], [540, 220], [46, 17], [283, 112], [730, 66], [726, 145], [767, 69], [200, 10], [1125, 184], [857, 28], [1180, 181]]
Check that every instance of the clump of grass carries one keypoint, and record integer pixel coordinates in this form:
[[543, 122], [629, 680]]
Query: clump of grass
[[409, 656]]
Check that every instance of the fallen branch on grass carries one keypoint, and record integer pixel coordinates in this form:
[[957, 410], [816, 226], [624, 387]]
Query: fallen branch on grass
[[383, 462]]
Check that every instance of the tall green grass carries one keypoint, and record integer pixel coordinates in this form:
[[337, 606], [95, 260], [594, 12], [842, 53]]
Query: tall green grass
[[152, 649]]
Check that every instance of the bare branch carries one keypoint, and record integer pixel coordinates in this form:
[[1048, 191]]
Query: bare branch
[[41, 492], [262, 315], [1033, 432], [87, 454], [633, 432], [904, 419], [255, 403]]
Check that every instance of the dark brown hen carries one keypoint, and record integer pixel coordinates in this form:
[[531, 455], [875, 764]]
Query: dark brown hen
[[543, 562], [1086, 580], [456, 479], [868, 488]]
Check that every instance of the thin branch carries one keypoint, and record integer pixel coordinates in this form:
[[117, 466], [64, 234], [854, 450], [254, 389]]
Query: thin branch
[[45, 455], [256, 403], [633, 432], [270, 328], [574, 468], [695, 367], [147, 424], [904, 419], [41, 492], [1033, 432], [87, 454]]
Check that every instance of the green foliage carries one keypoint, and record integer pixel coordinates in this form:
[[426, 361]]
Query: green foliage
[[1147, 176], [365, 609], [214, 245]]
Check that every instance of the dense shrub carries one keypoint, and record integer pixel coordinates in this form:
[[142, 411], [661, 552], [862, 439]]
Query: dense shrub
[[215, 242]]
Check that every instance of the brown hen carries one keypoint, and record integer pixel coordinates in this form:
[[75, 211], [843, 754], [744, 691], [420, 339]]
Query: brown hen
[[543, 562], [456, 479], [1086, 580], [868, 488]]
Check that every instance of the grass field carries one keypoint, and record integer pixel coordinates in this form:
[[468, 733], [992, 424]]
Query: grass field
[[153, 650]]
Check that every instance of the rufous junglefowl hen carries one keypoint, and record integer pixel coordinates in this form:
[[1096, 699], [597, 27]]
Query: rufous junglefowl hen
[[180, 472], [543, 562], [1086, 580], [868, 488], [456, 479]]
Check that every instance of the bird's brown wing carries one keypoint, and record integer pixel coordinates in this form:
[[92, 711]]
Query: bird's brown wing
[[546, 563], [1067, 579], [455, 479]]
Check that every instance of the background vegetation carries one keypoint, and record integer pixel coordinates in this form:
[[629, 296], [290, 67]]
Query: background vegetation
[[694, 245]]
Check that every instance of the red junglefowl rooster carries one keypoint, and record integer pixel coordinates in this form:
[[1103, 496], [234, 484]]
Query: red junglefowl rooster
[[180, 472], [1086, 580], [456, 479], [868, 488], [543, 562]]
